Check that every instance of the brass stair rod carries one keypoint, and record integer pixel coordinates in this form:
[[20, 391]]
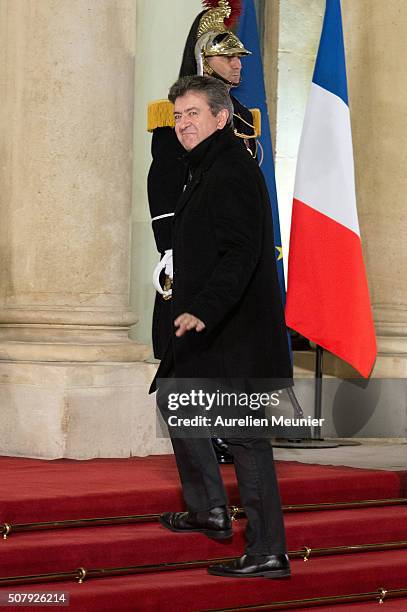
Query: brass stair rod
[[81, 573], [346, 505], [305, 553], [7, 528], [378, 596]]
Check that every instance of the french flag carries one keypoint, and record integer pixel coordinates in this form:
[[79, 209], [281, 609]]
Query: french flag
[[327, 294]]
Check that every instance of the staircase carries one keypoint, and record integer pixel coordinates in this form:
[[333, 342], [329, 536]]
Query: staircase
[[90, 529]]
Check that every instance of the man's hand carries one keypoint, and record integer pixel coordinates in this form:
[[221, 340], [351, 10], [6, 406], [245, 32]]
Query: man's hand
[[186, 322]]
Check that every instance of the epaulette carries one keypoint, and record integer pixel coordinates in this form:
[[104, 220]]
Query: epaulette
[[160, 114], [256, 114]]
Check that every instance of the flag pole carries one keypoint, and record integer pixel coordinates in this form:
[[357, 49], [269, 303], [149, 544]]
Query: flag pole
[[319, 355], [315, 439]]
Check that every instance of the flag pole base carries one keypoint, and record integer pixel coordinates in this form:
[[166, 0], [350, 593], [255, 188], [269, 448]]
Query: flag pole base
[[346, 442], [304, 443], [311, 443]]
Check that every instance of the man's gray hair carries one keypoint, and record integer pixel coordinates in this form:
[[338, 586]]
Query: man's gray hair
[[216, 93]]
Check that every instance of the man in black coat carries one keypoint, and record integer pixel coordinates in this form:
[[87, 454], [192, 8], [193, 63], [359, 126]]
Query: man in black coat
[[228, 322]]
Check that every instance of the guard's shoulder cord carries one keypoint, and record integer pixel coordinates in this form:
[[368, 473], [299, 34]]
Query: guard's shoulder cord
[[255, 126], [160, 113]]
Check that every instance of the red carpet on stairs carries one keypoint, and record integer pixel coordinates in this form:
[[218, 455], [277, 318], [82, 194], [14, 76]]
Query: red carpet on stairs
[[150, 543], [195, 590], [34, 490]]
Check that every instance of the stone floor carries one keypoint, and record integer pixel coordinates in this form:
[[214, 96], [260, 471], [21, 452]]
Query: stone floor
[[375, 453]]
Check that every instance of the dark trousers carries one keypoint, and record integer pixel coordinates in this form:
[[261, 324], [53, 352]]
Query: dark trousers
[[203, 487]]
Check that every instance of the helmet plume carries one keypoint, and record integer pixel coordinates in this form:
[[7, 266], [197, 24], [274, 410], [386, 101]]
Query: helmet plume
[[235, 6]]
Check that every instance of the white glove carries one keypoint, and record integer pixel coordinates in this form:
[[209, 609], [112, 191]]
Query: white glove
[[168, 266], [164, 264]]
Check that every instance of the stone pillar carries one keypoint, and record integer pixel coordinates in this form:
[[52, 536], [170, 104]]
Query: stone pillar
[[70, 377], [375, 41]]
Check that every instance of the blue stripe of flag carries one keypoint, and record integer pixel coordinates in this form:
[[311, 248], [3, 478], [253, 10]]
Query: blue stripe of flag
[[330, 67]]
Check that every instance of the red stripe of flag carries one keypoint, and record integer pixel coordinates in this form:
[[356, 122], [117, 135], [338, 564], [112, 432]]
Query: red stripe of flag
[[330, 304]]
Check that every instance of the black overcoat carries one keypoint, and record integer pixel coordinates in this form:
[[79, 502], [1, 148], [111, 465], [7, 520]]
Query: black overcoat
[[166, 179], [225, 270]]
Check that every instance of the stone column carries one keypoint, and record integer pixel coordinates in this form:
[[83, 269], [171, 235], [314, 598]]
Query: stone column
[[70, 377], [375, 40]]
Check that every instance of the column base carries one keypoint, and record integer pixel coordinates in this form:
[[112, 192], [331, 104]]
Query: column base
[[78, 410], [73, 336], [124, 351]]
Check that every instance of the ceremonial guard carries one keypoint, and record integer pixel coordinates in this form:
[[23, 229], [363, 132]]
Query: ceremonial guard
[[214, 50]]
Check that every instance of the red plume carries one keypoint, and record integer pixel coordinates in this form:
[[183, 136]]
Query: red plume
[[235, 5]]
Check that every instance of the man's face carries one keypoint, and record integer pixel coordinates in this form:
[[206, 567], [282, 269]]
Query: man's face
[[228, 67], [194, 120]]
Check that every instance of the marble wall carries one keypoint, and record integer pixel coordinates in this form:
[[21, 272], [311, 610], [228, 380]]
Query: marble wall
[[76, 247]]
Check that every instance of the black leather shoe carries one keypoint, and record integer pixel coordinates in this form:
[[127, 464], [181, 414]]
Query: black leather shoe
[[254, 566], [214, 523], [222, 450]]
